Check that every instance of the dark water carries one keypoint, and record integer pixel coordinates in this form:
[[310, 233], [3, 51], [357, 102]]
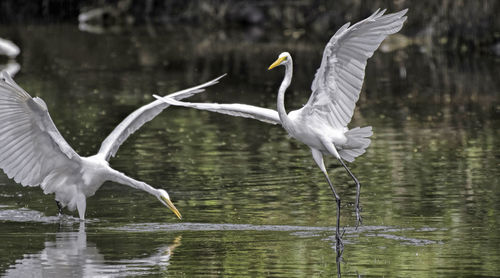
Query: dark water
[[253, 201]]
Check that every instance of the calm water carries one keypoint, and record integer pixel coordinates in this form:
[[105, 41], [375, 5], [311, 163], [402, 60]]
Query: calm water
[[253, 201]]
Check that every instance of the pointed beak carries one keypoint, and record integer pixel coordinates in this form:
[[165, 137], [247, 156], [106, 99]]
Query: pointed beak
[[277, 62], [171, 206]]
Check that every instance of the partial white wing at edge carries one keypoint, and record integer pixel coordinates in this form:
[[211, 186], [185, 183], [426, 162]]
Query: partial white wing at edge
[[31, 147], [236, 109], [139, 117], [338, 81]]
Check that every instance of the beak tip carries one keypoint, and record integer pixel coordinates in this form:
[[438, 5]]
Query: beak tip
[[171, 206]]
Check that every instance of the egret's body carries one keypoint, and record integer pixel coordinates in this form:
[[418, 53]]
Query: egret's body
[[33, 152], [322, 122]]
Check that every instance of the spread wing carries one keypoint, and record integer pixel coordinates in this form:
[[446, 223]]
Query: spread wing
[[31, 147], [236, 109], [139, 117], [338, 81]]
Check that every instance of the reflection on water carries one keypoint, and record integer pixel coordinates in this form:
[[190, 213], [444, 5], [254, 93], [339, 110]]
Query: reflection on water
[[351, 233], [430, 178], [72, 255], [300, 231]]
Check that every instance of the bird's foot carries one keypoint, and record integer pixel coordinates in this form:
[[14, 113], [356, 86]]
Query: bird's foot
[[59, 208], [339, 244], [359, 219]]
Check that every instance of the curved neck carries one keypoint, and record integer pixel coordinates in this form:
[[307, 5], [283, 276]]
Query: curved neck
[[285, 120], [120, 177]]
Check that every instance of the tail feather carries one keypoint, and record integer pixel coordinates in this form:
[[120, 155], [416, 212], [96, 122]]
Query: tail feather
[[357, 142]]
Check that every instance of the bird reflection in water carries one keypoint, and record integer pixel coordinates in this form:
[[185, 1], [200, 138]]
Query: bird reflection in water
[[71, 255]]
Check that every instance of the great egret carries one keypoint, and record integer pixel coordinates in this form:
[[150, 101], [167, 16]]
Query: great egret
[[322, 122], [33, 152]]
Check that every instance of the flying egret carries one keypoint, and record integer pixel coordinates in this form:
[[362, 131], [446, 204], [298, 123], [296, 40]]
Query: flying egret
[[322, 122], [33, 152]]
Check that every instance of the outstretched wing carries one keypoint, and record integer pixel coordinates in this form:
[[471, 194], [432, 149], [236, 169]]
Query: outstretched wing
[[338, 81], [31, 147], [139, 117], [236, 109]]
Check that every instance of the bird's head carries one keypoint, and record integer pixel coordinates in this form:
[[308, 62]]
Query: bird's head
[[282, 60], [165, 200]]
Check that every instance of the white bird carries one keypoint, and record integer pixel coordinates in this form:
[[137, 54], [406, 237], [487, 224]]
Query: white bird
[[33, 152], [9, 48], [322, 122]]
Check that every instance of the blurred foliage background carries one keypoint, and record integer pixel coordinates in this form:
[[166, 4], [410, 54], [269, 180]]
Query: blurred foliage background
[[461, 25]]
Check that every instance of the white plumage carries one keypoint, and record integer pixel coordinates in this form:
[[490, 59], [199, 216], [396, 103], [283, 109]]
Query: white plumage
[[322, 122], [339, 79], [33, 152]]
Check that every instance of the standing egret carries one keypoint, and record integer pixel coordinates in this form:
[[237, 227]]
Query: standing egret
[[322, 122], [33, 152]]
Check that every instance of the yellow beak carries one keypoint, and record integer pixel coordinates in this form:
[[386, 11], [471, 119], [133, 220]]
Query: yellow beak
[[171, 206], [277, 62]]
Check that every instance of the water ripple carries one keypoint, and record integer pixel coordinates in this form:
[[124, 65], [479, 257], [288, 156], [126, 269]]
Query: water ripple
[[299, 231], [28, 215]]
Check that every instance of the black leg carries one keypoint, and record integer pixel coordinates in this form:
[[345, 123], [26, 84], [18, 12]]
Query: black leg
[[59, 206], [318, 158], [338, 236], [359, 220]]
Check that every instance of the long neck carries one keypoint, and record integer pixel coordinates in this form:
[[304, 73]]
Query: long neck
[[285, 120], [120, 177]]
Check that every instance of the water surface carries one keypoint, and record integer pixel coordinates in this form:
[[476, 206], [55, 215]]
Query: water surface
[[253, 201]]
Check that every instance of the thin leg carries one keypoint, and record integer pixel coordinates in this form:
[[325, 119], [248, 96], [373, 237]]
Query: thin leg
[[338, 236], [359, 220], [318, 158], [59, 207]]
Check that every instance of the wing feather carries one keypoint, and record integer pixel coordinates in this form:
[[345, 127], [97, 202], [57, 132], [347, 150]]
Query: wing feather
[[28, 167], [339, 79], [235, 109], [144, 114], [34, 174], [30, 144], [10, 149]]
